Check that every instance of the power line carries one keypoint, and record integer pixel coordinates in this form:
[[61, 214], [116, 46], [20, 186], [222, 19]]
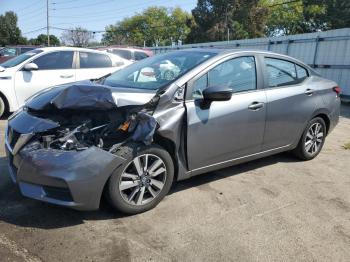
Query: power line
[[99, 3], [35, 30], [93, 14], [66, 2], [28, 6]]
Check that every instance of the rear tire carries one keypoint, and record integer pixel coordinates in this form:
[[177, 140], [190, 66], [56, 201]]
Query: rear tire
[[312, 140], [143, 180]]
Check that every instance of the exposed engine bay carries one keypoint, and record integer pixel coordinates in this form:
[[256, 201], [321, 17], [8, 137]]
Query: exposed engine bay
[[95, 123], [105, 130]]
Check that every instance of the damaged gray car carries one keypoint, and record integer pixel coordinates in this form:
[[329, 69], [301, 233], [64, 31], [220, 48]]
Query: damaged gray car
[[130, 134]]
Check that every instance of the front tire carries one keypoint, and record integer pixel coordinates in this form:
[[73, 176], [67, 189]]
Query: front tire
[[143, 180], [2, 107], [312, 140]]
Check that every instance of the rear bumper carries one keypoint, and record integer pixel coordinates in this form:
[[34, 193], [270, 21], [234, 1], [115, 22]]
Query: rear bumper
[[72, 179], [334, 116]]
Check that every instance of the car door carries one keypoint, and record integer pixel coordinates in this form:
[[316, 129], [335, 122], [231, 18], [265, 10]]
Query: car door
[[226, 130], [93, 65], [54, 68], [290, 102]]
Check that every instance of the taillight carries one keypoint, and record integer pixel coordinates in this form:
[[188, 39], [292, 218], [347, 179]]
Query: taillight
[[337, 89]]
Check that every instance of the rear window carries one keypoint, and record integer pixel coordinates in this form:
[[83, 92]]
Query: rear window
[[94, 60], [25, 49], [126, 54], [140, 55], [282, 73]]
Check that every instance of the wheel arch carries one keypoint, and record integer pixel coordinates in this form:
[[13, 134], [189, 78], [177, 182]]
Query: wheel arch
[[170, 147], [324, 114], [7, 104]]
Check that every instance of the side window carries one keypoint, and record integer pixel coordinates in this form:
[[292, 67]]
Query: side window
[[55, 60], [94, 60], [140, 55], [301, 73], [281, 72], [126, 54], [198, 86], [239, 74]]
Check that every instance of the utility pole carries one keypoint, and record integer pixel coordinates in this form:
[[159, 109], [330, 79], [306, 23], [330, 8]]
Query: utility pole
[[47, 23]]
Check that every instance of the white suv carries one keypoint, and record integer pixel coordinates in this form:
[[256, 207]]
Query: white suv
[[33, 71]]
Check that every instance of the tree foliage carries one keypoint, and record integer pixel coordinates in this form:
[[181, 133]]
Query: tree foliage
[[154, 26], [9, 31], [42, 40], [216, 20], [77, 37], [304, 16]]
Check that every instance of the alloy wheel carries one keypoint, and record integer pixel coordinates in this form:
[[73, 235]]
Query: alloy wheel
[[143, 179], [314, 138]]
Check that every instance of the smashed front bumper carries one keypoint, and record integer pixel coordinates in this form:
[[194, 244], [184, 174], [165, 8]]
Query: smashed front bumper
[[68, 178]]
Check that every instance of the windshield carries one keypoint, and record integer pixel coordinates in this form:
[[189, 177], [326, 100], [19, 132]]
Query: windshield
[[21, 58], [157, 71]]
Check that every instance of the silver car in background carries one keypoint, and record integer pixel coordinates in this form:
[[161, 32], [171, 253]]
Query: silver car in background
[[131, 134]]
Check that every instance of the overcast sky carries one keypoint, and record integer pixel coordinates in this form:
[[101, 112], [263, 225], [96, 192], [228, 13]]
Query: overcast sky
[[91, 14]]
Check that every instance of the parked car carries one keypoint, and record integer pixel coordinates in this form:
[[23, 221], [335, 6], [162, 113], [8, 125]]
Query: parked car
[[9, 52], [26, 74], [130, 139], [129, 53]]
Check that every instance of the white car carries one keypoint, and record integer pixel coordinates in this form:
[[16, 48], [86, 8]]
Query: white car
[[33, 71]]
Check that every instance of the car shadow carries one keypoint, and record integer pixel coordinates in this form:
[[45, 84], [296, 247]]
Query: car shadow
[[20, 211], [199, 180]]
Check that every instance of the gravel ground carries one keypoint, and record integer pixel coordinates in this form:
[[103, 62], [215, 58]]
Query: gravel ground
[[273, 209]]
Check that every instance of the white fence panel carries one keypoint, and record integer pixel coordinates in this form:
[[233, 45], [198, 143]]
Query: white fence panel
[[328, 52]]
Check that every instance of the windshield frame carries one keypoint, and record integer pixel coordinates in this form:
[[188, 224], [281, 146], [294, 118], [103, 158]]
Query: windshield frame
[[19, 57], [138, 66]]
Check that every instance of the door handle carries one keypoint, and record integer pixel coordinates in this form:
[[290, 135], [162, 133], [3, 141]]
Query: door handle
[[309, 92], [66, 76], [256, 106]]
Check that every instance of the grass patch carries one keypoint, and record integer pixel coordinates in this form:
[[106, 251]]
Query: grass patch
[[347, 146]]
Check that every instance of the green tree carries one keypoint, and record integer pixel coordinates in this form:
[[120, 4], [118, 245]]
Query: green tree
[[9, 31], [154, 26], [216, 20], [335, 14], [304, 16], [42, 40]]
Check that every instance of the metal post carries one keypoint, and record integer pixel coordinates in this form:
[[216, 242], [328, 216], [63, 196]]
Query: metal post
[[287, 47], [47, 23], [316, 49]]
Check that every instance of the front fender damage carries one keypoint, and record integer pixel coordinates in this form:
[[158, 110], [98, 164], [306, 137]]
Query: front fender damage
[[69, 156]]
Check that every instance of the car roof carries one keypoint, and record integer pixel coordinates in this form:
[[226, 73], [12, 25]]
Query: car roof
[[228, 51], [67, 48]]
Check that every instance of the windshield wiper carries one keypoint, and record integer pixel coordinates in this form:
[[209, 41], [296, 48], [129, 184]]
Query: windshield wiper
[[100, 79]]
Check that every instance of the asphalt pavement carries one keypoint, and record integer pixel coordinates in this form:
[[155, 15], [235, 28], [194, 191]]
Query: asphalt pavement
[[272, 209]]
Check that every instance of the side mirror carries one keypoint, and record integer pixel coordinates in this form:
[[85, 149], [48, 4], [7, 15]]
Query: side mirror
[[30, 67], [217, 93]]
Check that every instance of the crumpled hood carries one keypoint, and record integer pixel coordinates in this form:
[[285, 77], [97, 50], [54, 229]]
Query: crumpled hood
[[86, 95]]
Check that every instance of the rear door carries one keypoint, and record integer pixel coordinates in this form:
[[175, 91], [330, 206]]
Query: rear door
[[93, 65], [226, 129], [54, 68], [290, 101]]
